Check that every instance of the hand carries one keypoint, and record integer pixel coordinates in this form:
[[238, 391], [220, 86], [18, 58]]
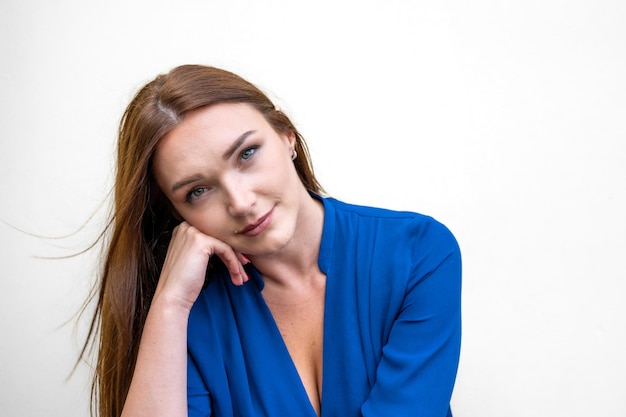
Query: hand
[[184, 269]]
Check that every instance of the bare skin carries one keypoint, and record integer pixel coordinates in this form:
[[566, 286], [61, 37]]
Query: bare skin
[[299, 314]]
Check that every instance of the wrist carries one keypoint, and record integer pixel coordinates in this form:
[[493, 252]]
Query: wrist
[[171, 304]]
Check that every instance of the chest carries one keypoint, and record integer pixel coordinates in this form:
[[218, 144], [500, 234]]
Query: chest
[[259, 357], [300, 320]]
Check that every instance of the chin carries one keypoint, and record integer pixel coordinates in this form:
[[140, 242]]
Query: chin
[[270, 244]]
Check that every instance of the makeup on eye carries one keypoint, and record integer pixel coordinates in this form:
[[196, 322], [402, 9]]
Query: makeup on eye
[[195, 193], [247, 153], [237, 144]]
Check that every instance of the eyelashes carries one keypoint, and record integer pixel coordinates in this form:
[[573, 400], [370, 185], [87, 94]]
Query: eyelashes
[[248, 153], [195, 193]]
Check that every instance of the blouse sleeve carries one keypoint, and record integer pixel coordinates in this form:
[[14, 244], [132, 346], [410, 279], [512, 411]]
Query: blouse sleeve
[[416, 373]]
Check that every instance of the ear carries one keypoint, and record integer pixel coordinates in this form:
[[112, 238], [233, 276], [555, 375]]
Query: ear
[[290, 137]]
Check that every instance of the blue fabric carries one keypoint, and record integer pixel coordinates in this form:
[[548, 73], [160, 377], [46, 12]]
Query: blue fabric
[[392, 327]]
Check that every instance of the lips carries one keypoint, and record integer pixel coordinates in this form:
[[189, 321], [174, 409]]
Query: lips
[[258, 226]]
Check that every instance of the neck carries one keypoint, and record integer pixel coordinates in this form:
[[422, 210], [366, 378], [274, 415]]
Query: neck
[[297, 263]]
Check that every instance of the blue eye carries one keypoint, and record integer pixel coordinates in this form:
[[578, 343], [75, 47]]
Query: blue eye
[[248, 152], [195, 193]]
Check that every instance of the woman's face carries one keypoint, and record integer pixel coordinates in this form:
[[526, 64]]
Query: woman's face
[[228, 173]]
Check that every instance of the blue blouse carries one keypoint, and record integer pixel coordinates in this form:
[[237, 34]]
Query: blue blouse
[[392, 327]]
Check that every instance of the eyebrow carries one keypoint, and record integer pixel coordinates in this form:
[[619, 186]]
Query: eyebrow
[[240, 140], [229, 152], [182, 183]]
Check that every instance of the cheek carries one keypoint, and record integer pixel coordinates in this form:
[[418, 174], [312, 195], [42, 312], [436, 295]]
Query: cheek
[[211, 222]]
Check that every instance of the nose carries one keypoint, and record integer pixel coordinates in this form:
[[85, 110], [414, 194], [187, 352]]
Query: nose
[[238, 197]]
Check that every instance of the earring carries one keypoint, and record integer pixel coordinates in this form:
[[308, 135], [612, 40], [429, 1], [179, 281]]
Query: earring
[[294, 154]]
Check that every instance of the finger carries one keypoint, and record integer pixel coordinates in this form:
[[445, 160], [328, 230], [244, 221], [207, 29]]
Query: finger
[[242, 258], [235, 268]]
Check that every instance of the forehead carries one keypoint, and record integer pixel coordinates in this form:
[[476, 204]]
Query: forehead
[[214, 126], [204, 135], [218, 119]]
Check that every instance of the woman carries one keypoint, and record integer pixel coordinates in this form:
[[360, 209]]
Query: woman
[[231, 287]]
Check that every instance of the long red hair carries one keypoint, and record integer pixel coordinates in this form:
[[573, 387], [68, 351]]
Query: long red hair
[[141, 223]]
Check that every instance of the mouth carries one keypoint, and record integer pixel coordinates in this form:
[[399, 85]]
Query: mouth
[[258, 226]]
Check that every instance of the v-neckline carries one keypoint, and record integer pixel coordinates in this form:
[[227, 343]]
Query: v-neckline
[[295, 375]]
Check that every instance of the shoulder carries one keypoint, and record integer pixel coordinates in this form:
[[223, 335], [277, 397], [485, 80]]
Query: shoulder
[[391, 239], [390, 254], [397, 225], [342, 207]]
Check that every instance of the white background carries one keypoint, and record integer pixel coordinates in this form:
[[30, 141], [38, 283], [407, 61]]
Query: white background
[[506, 120]]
